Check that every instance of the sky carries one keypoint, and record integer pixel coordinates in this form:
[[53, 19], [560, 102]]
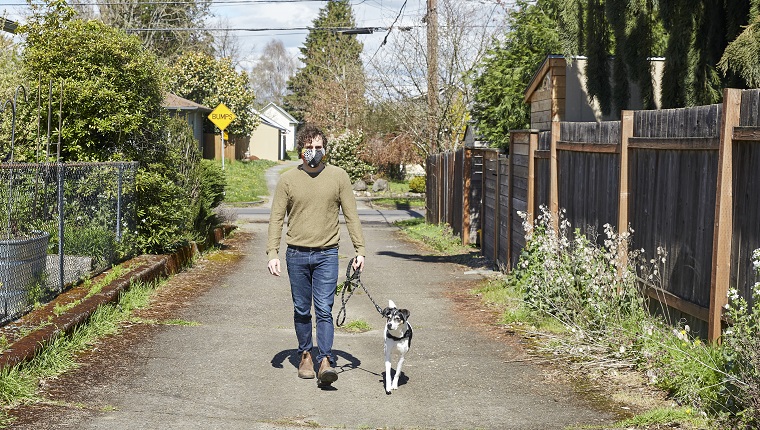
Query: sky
[[254, 14], [245, 15]]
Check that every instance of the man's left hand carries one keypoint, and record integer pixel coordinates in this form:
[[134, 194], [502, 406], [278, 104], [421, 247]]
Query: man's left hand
[[358, 264]]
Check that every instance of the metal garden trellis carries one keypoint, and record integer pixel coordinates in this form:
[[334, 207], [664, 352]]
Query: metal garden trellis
[[23, 251]]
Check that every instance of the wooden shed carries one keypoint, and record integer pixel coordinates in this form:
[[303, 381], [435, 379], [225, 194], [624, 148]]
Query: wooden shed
[[558, 92]]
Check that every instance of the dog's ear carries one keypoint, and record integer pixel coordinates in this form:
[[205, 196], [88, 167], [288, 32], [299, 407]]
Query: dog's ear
[[386, 312], [391, 304], [405, 313]]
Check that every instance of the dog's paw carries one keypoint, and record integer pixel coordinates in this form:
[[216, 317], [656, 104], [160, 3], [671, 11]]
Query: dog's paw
[[387, 391]]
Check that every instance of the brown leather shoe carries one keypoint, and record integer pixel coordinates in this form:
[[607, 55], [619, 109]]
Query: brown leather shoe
[[327, 374], [306, 368]]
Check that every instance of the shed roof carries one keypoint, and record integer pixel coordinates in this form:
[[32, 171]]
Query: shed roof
[[535, 81], [175, 102]]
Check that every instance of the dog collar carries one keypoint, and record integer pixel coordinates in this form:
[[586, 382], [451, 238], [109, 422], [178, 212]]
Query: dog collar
[[407, 335]]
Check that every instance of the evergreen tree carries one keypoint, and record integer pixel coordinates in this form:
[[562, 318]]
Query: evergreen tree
[[329, 89], [741, 58], [504, 72], [598, 51]]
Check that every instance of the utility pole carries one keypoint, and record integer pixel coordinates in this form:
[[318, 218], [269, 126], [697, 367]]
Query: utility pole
[[432, 73]]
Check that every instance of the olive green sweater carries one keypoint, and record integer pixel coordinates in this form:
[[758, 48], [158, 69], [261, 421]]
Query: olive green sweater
[[312, 203]]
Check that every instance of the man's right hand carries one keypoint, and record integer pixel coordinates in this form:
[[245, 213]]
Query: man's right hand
[[274, 266]]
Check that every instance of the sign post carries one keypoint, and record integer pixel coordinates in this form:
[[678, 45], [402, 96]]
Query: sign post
[[221, 116]]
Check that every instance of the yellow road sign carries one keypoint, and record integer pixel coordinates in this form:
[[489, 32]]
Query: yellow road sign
[[221, 116]]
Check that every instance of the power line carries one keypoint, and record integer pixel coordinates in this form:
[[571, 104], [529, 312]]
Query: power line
[[343, 30]]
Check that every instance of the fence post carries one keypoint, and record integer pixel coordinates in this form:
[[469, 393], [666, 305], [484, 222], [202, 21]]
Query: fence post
[[61, 231], [531, 200], [553, 176], [721, 258], [626, 132], [497, 214], [118, 201], [466, 178]]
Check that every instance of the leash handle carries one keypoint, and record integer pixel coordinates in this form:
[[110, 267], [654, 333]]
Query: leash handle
[[355, 274], [351, 283]]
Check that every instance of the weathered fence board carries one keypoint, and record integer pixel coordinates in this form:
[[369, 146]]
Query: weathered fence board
[[746, 204], [750, 109], [672, 207]]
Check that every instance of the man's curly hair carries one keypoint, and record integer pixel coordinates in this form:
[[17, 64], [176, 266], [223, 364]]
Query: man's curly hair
[[307, 134]]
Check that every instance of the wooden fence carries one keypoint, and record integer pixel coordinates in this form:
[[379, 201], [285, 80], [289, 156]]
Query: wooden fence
[[686, 181]]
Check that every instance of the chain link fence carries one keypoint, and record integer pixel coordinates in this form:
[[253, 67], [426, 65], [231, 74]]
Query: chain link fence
[[59, 223]]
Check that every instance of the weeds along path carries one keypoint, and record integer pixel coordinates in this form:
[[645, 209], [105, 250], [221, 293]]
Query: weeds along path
[[224, 356]]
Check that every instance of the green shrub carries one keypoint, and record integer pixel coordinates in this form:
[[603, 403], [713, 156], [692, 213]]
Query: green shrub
[[345, 151], [171, 204], [213, 183], [417, 184]]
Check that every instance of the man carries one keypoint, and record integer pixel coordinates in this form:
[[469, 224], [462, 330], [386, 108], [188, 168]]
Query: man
[[311, 196]]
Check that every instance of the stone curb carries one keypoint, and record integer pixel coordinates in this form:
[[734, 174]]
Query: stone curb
[[144, 268]]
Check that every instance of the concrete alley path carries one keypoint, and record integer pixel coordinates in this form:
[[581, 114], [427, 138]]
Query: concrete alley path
[[235, 368]]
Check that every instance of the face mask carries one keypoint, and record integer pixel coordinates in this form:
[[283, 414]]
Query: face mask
[[313, 156]]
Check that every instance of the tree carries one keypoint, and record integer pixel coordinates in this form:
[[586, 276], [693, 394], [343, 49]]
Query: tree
[[200, 77], [329, 90], [113, 95], [111, 109], [742, 54], [506, 69], [270, 74], [10, 66], [400, 73], [227, 45], [163, 25], [693, 36]]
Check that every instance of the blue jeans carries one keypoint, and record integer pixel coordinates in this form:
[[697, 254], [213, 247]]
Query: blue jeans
[[313, 277]]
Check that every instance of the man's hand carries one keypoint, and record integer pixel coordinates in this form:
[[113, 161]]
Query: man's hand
[[358, 264], [274, 266]]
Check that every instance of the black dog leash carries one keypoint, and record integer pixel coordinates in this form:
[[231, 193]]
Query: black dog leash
[[352, 281]]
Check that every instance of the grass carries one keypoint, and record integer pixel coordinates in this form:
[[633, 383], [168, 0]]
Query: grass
[[356, 326], [398, 187], [93, 288], [18, 384], [437, 236], [245, 180], [663, 416]]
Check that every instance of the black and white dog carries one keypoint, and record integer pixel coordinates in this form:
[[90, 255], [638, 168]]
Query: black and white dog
[[398, 337]]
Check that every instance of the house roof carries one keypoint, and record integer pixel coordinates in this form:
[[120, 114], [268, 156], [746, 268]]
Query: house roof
[[9, 26], [282, 111], [269, 121], [538, 77], [175, 102]]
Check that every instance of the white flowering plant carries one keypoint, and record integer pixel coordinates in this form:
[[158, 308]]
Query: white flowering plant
[[570, 277], [596, 290], [741, 354]]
